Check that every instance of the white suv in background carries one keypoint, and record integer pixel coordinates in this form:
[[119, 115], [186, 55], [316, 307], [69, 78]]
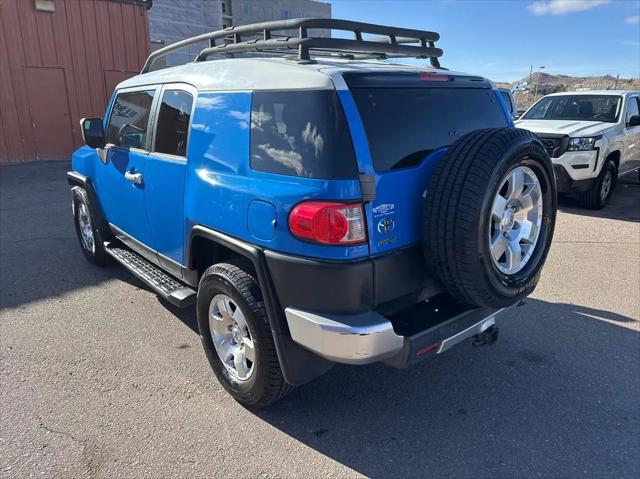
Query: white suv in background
[[592, 138]]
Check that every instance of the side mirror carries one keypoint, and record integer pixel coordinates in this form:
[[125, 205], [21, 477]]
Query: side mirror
[[93, 132], [634, 121]]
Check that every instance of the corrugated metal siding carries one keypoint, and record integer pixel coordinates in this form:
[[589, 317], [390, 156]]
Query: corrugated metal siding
[[94, 42]]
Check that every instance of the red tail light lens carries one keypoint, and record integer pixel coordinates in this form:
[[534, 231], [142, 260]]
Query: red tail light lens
[[328, 223], [433, 77]]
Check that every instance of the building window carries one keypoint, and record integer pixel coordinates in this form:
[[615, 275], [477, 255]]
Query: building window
[[285, 14]]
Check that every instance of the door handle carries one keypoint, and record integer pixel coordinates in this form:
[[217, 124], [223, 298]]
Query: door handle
[[135, 178]]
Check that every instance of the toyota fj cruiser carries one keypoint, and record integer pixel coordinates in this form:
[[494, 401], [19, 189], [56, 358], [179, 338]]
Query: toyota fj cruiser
[[318, 207], [593, 137]]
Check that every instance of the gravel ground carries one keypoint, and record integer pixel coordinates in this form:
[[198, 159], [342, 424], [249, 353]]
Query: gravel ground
[[99, 378]]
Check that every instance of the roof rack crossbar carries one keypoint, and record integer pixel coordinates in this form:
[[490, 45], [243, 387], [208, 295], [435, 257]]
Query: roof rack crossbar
[[394, 41], [304, 45]]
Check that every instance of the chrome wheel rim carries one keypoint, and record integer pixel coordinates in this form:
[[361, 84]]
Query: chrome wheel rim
[[231, 337], [516, 216], [84, 226], [606, 186]]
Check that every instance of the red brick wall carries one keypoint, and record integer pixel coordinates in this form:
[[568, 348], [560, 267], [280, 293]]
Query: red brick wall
[[86, 47]]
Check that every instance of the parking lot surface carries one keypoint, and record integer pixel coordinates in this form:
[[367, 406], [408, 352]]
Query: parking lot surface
[[99, 378]]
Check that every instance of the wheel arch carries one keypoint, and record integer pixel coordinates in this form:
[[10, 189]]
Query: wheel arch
[[298, 364], [76, 180], [614, 156]]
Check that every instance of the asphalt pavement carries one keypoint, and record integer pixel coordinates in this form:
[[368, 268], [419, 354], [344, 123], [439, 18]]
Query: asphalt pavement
[[99, 378]]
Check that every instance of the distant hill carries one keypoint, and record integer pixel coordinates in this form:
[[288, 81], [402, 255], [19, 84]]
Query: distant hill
[[558, 83]]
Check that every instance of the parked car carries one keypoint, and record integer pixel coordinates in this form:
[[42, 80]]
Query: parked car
[[508, 98], [593, 137], [317, 210]]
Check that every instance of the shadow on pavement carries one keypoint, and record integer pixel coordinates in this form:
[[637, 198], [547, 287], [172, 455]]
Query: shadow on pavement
[[39, 253], [624, 204], [556, 396], [553, 397]]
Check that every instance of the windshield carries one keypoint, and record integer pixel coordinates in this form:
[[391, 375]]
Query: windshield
[[576, 107], [404, 125]]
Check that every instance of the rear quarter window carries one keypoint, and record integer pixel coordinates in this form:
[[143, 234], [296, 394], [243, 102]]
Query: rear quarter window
[[301, 133]]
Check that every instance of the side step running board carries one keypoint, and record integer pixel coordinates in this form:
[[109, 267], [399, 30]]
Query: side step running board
[[166, 286]]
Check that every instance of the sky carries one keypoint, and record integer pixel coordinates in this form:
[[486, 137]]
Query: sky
[[502, 39]]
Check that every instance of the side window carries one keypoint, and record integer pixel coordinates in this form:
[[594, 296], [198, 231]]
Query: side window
[[173, 123], [507, 100], [129, 119], [632, 108], [301, 133]]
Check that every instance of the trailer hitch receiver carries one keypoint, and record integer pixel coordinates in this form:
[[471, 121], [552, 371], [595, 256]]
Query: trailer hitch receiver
[[487, 337]]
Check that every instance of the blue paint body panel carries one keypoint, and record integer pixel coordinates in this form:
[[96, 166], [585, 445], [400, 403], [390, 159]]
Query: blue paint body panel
[[215, 187], [164, 177], [124, 203], [220, 185], [262, 220]]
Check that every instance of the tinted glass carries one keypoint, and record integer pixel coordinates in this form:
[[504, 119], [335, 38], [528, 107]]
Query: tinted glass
[[507, 100], [632, 109], [404, 125], [173, 123], [301, 133], [576, 107], [130, 119]]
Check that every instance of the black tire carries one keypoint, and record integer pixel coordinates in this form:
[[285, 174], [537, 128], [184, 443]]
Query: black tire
[[96, 254], [595, 198], [266, 384], [457, 215]]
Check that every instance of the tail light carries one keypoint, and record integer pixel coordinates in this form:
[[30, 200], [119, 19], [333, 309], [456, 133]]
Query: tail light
[[328, 222], [433, 77]]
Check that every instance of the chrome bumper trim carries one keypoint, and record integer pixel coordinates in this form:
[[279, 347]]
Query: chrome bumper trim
[[479, 327], [351, 339]]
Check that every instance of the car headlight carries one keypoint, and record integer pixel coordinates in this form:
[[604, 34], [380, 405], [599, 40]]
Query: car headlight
[[583, 144]]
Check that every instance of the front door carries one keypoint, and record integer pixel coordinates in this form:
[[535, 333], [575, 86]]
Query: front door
[[631, 155], [165, 174], [120, 178]]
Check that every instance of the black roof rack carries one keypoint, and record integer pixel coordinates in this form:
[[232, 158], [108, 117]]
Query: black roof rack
[[260, 37]]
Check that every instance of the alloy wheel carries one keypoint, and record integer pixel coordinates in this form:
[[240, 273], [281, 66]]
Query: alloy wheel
[[231, 337], [86, 231], [516, 216]]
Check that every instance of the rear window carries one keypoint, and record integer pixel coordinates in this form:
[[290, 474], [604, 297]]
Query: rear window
[[403, 125], [301, 133]]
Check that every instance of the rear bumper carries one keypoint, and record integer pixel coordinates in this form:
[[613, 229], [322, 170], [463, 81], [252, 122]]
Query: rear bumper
[[370, 337], [386, 283]]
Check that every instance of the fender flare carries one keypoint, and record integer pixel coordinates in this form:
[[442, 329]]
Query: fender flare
[[298, 365], [75, 179]]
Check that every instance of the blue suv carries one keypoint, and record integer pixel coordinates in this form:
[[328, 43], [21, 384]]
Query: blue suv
[[318, 204]]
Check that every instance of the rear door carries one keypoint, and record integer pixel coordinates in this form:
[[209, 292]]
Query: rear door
[[120, 178], [408, 121], [165, 173]]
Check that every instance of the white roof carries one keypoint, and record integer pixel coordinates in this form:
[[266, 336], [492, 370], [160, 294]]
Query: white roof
[[594, 92], [266, 73]]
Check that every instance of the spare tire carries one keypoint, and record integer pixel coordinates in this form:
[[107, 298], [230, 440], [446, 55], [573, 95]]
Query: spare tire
[[489, 215]]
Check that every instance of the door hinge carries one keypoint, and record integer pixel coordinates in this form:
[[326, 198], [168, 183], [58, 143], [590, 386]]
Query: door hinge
[[368, 187]]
